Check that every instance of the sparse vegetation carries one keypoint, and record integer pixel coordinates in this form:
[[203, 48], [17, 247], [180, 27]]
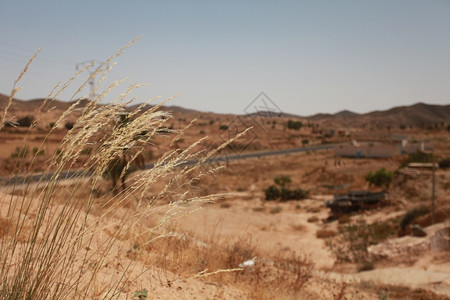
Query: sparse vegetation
[[282, 192], [141, 294], [380, 178], [351, 242]]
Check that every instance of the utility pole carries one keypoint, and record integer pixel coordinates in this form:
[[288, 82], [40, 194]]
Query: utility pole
[[93, 66]]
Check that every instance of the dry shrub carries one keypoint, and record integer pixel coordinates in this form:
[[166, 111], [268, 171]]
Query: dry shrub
[[274, 276], [325, 233], [352, 241]]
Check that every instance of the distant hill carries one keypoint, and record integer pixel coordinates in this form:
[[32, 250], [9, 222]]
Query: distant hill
[[416, 115]]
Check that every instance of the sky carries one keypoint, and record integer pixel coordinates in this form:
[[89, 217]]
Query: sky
[[306, 56]]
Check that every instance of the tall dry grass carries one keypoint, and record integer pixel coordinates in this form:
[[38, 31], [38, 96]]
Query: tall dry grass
[[58, 235]]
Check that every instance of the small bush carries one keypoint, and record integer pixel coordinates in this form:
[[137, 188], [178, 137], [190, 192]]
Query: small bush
[[223, 127], [297, 194], [296, 125], [25, 121], [350, 244], [37, 152], [445, 163], [413, 213], [68, 125], [282, 180], [272, 193], [380, 178], [283, 193]]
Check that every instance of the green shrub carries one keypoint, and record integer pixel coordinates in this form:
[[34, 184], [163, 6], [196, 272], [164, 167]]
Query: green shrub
[[380, 178], [272, 193], [282, 192], [296, 125], [297, 194], [37, 152], [223, 127]]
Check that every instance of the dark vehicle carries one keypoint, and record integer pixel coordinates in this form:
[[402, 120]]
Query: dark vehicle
[[354, 201]]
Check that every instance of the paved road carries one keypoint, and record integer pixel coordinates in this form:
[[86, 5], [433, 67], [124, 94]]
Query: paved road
[[217, 159]]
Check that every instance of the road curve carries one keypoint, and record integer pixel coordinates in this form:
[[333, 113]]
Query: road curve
[[24, 179]]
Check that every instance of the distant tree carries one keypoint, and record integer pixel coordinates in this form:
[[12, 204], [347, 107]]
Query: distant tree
[[296, 125], [380, 178], [25, 121]]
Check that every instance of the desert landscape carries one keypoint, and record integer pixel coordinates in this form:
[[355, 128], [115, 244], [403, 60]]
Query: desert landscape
[[219, 215], [287, 150]]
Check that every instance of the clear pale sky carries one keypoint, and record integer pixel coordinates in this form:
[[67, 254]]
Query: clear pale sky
[[307, 56]]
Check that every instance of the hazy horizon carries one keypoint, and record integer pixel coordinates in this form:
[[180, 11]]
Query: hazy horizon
[[308, 57]]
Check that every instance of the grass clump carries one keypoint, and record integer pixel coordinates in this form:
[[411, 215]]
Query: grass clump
[[65, 235]]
